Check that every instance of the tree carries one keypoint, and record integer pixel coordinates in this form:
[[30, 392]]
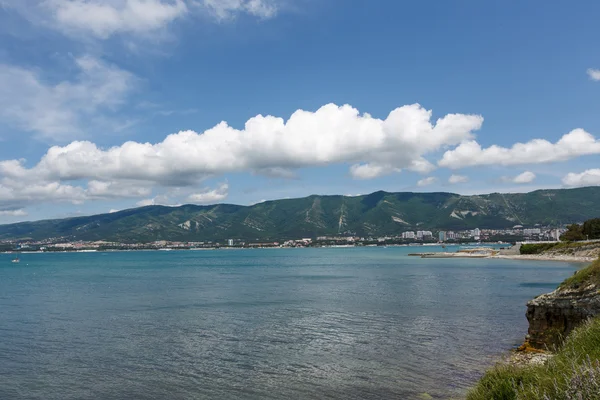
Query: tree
[[591, 228], [574, 232]]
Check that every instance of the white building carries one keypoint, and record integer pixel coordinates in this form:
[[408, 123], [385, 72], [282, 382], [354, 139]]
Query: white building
[[424, 234], [408, 235]]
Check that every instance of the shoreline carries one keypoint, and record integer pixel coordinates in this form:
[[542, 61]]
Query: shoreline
[[524, 257], [546, 257]]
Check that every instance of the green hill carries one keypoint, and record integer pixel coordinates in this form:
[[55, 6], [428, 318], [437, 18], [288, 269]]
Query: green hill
[[378, 213]]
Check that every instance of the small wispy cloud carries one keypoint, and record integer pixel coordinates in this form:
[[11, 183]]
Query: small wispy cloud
[[454, 179], [132, 19], [13, 213], [525, 177], [208, 196], [427, 181], [594, 74], [59, 110]]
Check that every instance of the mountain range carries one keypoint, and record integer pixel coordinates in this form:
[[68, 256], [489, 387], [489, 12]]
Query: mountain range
[[375, 214]]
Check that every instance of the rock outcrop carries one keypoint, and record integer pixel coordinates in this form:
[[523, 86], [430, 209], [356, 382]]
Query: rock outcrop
[[552, 316]]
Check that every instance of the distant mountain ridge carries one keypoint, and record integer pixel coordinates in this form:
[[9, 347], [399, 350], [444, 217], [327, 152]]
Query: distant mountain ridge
[[379, 213]]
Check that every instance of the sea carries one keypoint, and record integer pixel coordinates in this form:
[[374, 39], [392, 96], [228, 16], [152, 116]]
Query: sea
[[317, 323]]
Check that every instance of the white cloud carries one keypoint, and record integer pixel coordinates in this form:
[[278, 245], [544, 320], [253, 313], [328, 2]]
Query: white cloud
[[226, 9], [113, 210], [590, 177], [370, 171], [116, 189], [13, 213], [19, 191], [525, 177], [164, 199], [421, 165], [574, 144], [427, 181], [208, 196], [15, 194], [104, 18], [146, 202], [454, 179], [330, 135], [59, 110], [594, 74]]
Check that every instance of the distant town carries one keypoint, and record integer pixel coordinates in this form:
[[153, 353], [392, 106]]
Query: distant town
[[516, 234]]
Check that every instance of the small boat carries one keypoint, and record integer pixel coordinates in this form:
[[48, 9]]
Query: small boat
[[16, 260]]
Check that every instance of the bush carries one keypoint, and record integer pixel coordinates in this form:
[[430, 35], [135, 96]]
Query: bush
[[536, 248], [574, 232], [591, 228]]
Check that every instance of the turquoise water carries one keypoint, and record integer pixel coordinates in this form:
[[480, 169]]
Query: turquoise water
[[351, 323]]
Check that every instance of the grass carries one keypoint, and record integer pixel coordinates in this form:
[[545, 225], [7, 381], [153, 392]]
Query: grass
[[589, 274], [573, 373]]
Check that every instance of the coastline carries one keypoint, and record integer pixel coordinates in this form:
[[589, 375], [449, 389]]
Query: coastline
[[530, 257], [546, 257]]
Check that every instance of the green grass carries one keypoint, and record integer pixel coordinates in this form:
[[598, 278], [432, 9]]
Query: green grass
[[589, 274], [573, 373]]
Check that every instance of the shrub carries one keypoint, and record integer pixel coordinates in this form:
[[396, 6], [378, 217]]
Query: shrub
[[536, 248]]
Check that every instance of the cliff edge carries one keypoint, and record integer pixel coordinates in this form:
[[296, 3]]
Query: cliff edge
[[552, 316]]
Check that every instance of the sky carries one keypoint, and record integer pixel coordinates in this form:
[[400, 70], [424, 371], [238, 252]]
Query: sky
[[107, 105]]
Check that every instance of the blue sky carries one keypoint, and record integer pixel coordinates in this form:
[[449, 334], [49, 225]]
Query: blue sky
[[341, 97]]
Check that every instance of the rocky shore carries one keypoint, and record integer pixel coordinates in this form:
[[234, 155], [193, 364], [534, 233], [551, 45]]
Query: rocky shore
[[552, 316]]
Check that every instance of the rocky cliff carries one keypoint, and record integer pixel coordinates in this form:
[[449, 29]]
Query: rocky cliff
[[552, 316]]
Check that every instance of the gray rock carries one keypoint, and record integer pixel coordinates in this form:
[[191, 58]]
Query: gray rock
[[552, 316]]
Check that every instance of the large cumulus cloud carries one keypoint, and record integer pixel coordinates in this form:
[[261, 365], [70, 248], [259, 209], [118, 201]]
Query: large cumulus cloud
[[267, 144]]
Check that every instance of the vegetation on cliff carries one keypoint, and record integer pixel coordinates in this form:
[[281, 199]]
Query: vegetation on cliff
[[584, 277], [572, 373]]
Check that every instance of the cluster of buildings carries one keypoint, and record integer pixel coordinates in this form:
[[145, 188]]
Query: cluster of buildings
[[419, 235], [516, 233], [533, 234]]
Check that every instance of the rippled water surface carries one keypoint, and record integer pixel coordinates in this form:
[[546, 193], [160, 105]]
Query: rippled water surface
[[352, 323]]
